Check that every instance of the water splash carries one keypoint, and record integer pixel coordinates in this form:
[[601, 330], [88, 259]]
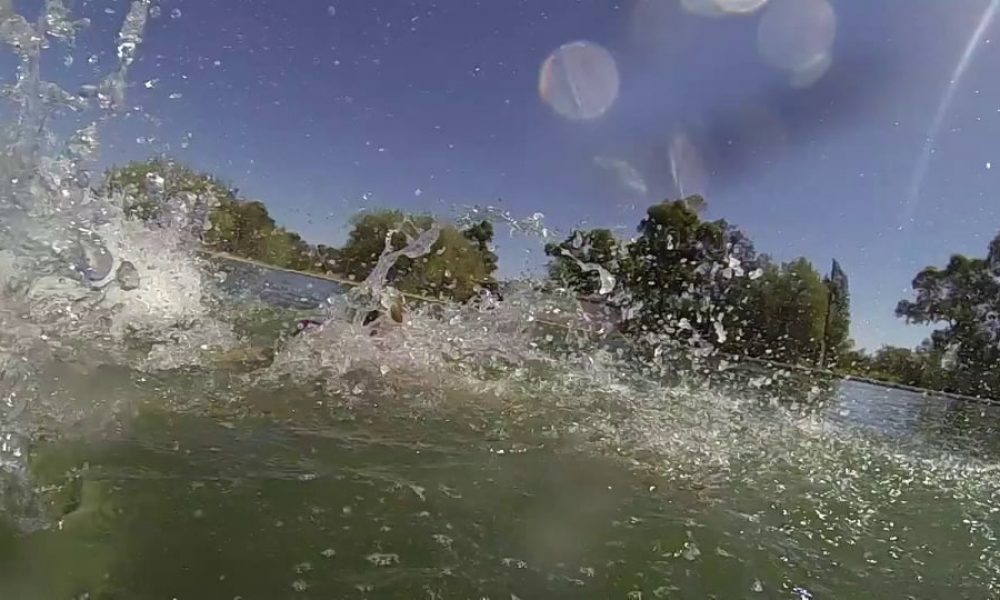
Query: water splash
[[608, 280], [77, 277]]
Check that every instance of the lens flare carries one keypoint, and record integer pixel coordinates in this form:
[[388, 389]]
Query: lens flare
[[923, 160], [703, 8], [687, 167], [794, 34], [722, 8], [579, 80], [626, 175], [809, 74], [740, 7]]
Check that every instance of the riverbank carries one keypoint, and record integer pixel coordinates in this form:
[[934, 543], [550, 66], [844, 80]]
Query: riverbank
[[869, 381], [736, 358]]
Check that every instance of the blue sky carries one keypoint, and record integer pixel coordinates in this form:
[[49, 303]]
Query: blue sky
[[324, 108]]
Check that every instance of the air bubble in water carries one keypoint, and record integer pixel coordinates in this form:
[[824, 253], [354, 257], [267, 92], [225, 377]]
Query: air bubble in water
[[155, 12], [331, 10], [176, 13]]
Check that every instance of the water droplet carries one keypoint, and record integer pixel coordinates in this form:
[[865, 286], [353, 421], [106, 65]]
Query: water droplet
[[579, 80], [797, 34], [687, 167], [382, 559]]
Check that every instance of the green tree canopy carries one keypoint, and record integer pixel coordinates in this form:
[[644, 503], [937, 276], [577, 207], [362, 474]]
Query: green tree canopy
[[569, 262], [147, 189], [159, 188], [963, 299], [686, 278], [459, 264]]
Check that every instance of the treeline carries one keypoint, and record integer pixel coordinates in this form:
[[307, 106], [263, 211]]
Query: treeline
[[963, 356], [702, 283], [686, 281], [460, 264], [682, 281]]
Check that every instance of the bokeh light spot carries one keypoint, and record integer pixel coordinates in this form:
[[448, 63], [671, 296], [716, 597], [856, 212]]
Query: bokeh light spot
[[812, 72], [579, 80], [796, 35], [740, 7], [722, 8]]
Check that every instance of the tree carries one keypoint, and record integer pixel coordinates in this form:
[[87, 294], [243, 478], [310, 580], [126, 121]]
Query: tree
[[481, 234], [964, 298], [836, 338], [898, 365], [681, 272], [782, 313], [572, 260], [152, 190], [366, 241], [458, 265], [165, 193]]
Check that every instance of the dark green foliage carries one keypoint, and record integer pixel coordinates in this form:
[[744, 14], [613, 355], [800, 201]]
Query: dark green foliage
[[688, 281], [459, 265], [783, 313], [964, 299], [594, 247]]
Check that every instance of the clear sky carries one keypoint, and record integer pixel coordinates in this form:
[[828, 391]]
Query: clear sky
[[324, 108]]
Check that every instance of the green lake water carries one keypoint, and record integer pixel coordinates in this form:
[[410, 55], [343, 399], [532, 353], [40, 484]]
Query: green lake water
[[295, 494]]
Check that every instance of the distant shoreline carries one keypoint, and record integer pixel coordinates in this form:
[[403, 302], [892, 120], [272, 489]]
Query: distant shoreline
[[871, 381], [769, 363]]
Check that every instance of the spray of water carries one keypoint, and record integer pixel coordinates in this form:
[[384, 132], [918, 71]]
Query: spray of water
[[75, 272], [78, 279]]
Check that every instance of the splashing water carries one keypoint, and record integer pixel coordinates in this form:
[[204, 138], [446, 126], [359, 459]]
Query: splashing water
[[78, 278], [502, 384], [375, 284], [607, 279]]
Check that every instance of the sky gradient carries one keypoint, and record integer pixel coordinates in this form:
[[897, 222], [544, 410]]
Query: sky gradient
[[322, 109]]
